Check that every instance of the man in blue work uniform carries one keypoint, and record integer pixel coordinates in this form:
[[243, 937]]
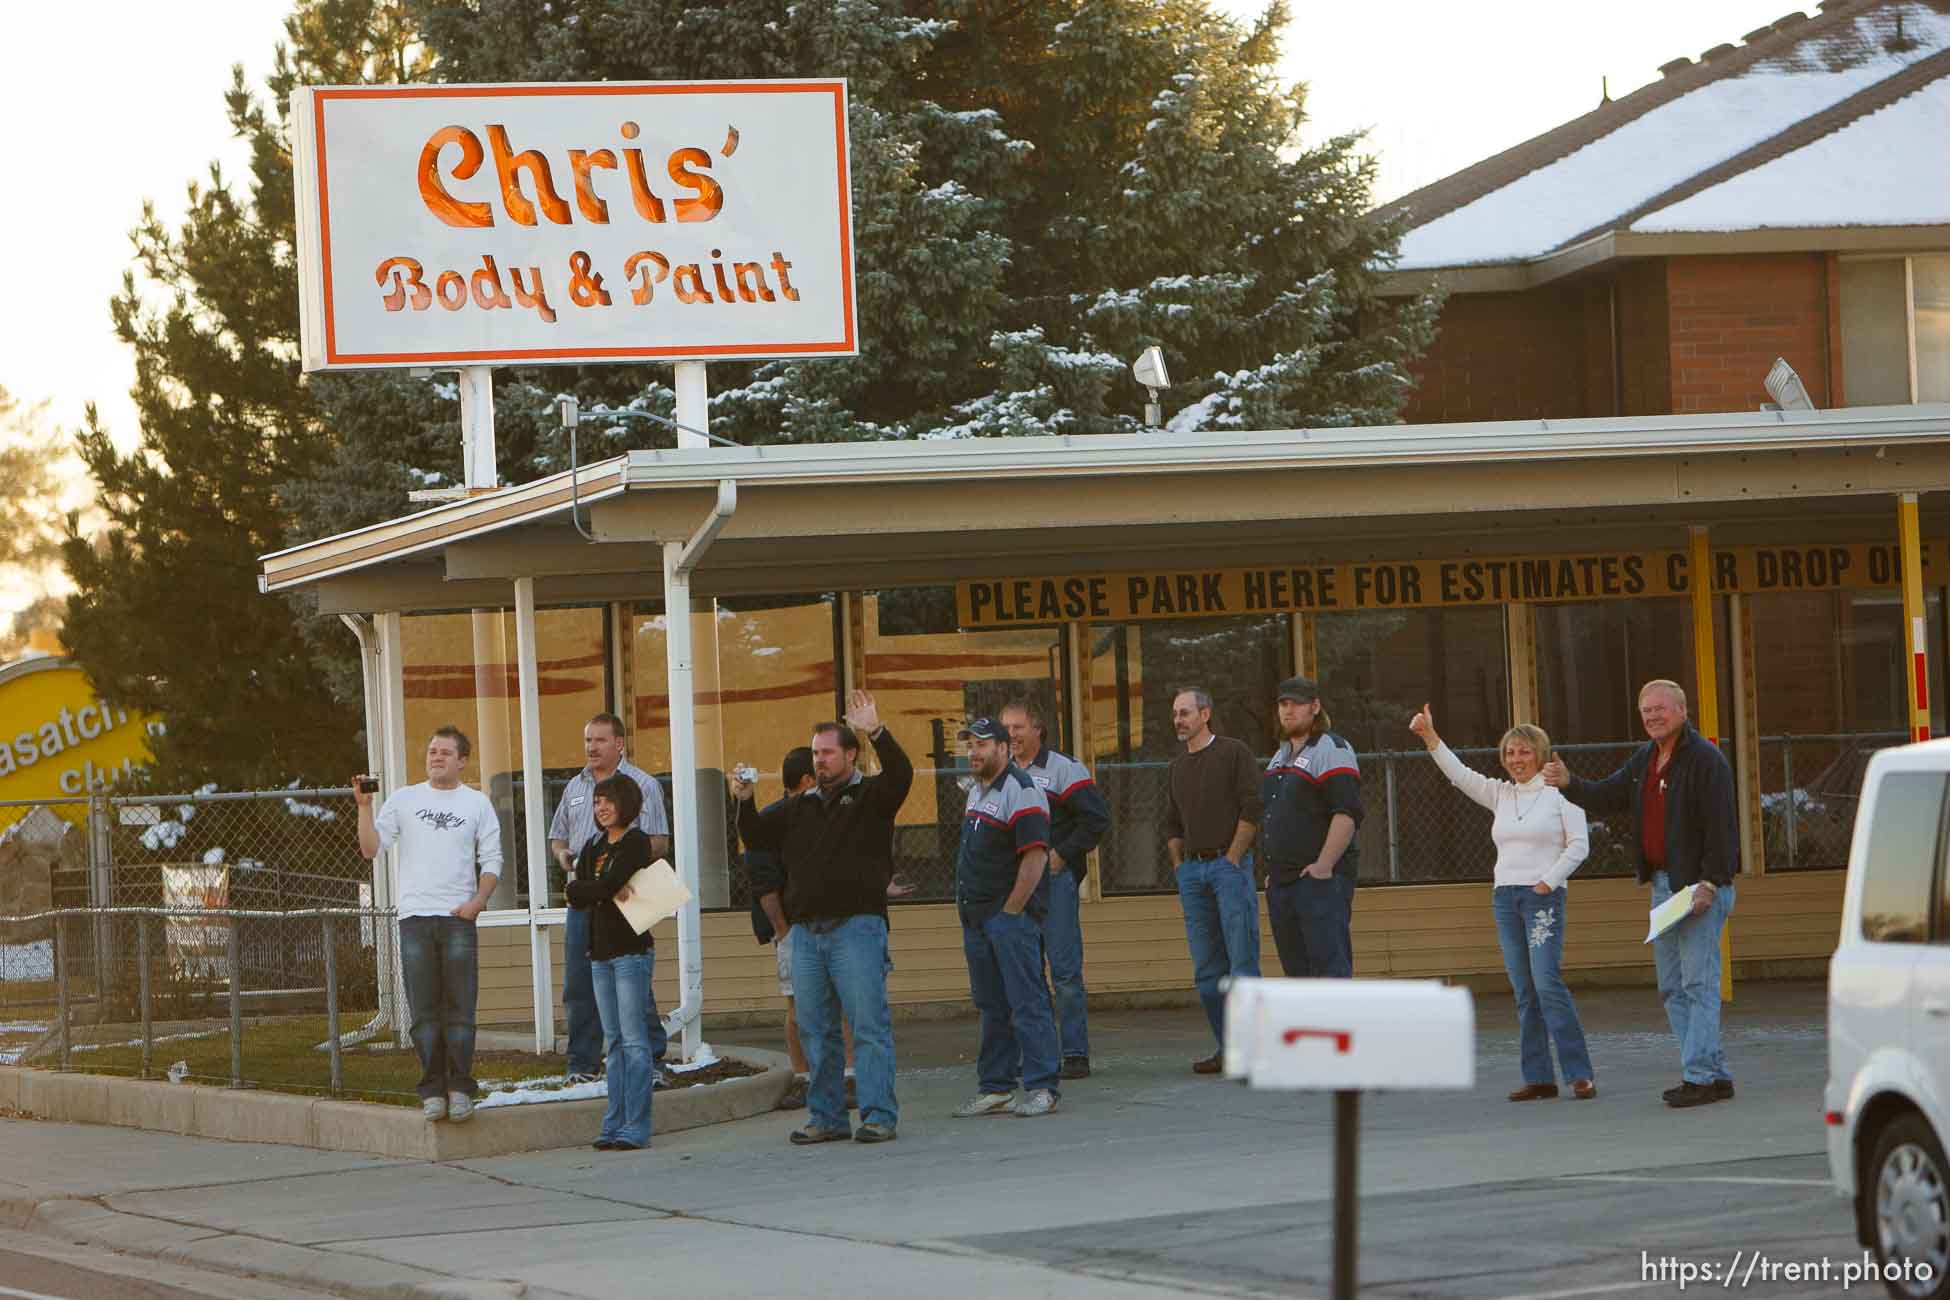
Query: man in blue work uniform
[[1078, 818], [1311, 798], [999, 894]]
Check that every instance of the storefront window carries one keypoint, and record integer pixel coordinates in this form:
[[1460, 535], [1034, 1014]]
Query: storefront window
[[462, 669], [1135, 670], [928, 678], [1831, 678], [1375, 670], [763, 674], [1592, 658]]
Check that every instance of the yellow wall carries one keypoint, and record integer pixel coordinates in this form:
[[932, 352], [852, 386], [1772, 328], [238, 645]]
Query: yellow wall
[[1136, 944]]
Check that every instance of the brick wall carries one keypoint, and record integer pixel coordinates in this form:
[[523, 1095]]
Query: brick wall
[[1512, 356], [1732, 316], [1645, 333]]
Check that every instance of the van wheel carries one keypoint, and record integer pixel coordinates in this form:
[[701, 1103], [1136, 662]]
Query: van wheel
[[1909, 1210]]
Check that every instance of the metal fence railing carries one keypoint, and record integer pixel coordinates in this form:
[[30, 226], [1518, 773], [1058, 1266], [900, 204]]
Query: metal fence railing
[[256, 998]]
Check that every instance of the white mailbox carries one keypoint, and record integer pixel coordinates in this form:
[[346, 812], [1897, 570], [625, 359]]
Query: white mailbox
[[1350, 1035]]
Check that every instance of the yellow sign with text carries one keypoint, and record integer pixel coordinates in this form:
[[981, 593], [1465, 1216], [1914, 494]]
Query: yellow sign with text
[[58, 739], [1415, 584]]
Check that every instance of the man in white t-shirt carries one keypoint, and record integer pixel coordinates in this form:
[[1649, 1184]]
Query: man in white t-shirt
[[449, 858]]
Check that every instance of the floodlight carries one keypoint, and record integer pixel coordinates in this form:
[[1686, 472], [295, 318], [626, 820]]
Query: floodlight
[[1786, 388], [1150, 371]]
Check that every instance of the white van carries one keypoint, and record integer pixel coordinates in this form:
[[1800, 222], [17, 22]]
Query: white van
[[1886, 1105]]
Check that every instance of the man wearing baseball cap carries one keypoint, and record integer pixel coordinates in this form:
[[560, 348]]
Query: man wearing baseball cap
[[1001, 897], [1311, 800]]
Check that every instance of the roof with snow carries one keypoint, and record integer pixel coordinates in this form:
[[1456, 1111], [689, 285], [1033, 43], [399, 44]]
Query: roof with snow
[[1811, 123]]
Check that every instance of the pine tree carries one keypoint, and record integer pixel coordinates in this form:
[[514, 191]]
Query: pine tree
[[167, 617], [31, 519]]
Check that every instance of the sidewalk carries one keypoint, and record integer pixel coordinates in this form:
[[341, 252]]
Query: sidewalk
[[1132, 1190]]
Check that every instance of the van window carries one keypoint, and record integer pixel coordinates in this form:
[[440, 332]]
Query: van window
[[1899, 873]]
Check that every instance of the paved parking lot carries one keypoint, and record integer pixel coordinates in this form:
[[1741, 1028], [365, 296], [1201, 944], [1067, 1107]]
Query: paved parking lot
[[1149, 1181]]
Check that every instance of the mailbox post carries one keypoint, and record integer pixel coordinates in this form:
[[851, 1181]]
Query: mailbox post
[[1346, 1037]]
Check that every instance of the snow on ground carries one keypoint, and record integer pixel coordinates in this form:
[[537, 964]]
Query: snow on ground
[[1655, 151], [1862, 175], [28, 1032], [27, 961], [557, 1088]]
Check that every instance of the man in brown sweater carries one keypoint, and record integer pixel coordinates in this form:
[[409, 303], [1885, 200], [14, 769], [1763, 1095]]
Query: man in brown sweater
[[1211, 815]]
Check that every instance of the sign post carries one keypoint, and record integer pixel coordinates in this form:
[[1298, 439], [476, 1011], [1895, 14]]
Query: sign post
[[1347, 1036], [463, 227]]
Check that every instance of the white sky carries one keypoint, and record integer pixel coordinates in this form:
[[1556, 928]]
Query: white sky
[[1439, 86]]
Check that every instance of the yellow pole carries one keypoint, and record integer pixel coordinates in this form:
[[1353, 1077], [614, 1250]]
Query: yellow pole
[[1914, 622], [1706, 683]]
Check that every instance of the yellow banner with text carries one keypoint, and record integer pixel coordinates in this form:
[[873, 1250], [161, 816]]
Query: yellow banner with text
[[1413, 584]]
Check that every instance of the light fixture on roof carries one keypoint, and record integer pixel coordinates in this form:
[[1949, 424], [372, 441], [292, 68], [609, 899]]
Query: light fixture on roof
[[1786, 388], [1150, 371]]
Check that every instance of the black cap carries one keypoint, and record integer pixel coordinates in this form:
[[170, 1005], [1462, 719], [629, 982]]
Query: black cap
[[1302, 689], [984, 729]]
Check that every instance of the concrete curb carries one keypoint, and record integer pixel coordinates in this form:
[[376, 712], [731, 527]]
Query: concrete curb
[[90, 1223], [324, 1124]]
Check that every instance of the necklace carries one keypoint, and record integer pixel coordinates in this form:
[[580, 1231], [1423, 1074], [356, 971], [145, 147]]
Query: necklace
[[1517, 801]]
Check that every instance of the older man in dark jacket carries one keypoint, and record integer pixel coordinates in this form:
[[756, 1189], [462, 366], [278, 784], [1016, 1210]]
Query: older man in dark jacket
[[1678, 788]]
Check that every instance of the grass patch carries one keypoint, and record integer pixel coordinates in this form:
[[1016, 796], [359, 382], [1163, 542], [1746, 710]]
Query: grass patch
[[279, 1056]]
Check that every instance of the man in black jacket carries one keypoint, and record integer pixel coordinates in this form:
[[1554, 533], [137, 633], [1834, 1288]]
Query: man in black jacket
[[1678, 788], [836, 843]]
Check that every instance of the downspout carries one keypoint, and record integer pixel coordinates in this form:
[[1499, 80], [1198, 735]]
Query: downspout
[[375, 762], [680, 561]]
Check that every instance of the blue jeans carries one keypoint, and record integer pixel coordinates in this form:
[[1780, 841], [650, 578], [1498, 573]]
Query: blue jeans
[[1005, 978], [1311, 919], [1688, 960], [1063, 942], [843, 971], [579, 1001], [1221, 906], [622, 986], [440, 962], [1530, 930]]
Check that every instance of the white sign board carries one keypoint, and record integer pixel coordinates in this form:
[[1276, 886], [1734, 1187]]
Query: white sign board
[[605, 222], [1337, 1035]]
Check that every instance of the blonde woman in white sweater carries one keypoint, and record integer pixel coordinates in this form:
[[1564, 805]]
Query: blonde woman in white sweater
[[1541, 837]]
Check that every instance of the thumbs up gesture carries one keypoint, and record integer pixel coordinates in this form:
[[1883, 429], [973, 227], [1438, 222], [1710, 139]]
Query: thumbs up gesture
[[1423, 725]]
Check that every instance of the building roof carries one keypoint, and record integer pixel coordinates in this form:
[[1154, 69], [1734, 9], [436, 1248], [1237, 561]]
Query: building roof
[[813, 517], [1864, 82]]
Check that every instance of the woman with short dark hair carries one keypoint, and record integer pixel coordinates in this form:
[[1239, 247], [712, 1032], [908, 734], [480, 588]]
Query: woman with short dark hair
[[619, 961]]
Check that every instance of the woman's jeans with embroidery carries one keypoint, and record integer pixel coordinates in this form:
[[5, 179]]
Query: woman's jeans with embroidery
[[1530, 930]]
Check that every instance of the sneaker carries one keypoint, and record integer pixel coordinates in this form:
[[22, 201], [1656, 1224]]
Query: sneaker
[[582, 1076], [1723, 1089], [433, 1108], [875, 1132], [1692, 1094], [1074, 1067], [795, 1095], [1212, 1064], [810, 1136], [660, 1079], [603, 1144], [1040, 1102], [460, 1107], [985, 1103]]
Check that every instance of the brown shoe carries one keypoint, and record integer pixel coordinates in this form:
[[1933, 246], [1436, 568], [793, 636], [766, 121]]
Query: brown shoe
[[1210, 1065], [1584, 1089], [1534, 1092]]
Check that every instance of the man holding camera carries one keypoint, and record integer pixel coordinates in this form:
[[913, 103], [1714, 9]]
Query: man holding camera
[[450, 857], [836, 842], [574, 823]]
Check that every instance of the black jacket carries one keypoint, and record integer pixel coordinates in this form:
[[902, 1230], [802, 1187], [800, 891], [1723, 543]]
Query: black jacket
[[837, 855], [603, 868], [1702, 815], [766, 875]]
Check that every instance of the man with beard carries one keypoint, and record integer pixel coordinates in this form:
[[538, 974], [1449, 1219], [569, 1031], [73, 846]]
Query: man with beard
[[1312, 795]]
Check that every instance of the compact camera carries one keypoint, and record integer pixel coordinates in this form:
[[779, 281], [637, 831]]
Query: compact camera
[[746, 772], [368, 785]]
